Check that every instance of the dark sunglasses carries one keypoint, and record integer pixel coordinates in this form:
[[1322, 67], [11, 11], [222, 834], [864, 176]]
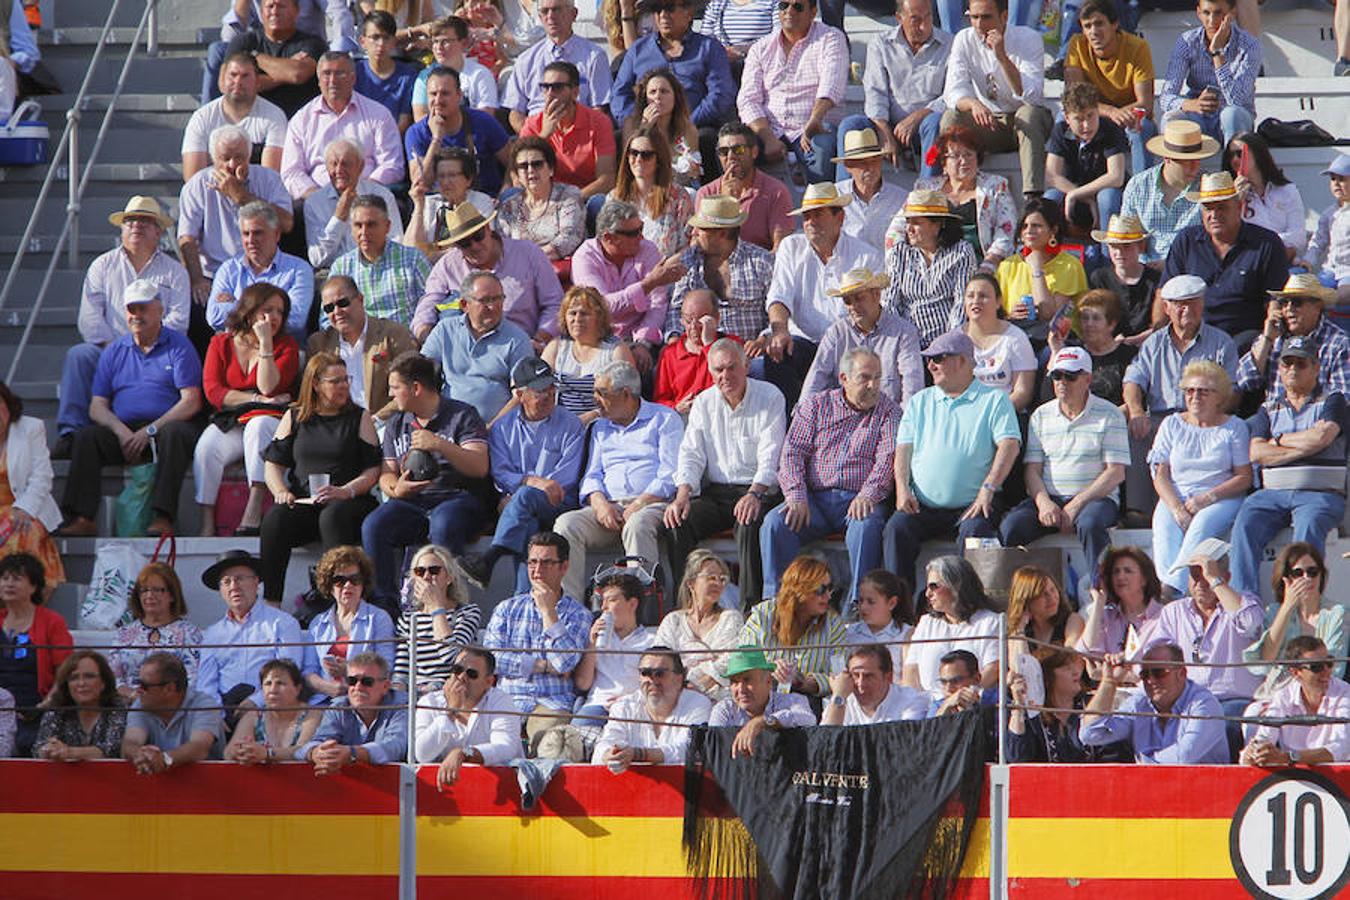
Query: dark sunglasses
[[1064, 376], [1154, 672], [627, 232], [1304, 572], [363, 680], [548, 86], [471, 674], [340, 580], [653, 672], [1293, 302], [935, 586], [1317, 667], [824, 589], [471, 239], [149, 685], [939, 358], [526, 164], [427, 571], [783, 6], [634, 153], [341, 303]]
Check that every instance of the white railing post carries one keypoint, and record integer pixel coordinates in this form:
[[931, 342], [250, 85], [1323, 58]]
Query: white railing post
[[412, 687], [152, 31], [73, 187], [1001, 687], [998, 778]]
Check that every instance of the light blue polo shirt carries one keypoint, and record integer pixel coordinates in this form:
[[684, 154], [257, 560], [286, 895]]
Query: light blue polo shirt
[[477, 370], [960, 437]]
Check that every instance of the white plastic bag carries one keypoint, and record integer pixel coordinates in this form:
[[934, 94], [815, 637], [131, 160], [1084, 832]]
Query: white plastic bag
[[116, 566]]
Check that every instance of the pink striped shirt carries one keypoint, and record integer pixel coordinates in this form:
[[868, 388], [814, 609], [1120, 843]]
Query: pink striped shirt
[[832, 446], [782, 83]]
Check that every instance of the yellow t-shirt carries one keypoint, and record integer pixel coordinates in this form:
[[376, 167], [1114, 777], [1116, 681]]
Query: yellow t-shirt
[[1115, 78], [1063, 275]]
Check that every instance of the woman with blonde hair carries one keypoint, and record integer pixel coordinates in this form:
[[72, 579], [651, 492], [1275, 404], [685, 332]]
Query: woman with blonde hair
[[701, 630], [801, 634], [585, 344], [447, 620], [1201, 470], [1038, 609]]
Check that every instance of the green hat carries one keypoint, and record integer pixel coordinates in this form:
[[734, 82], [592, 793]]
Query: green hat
[[745, 658]]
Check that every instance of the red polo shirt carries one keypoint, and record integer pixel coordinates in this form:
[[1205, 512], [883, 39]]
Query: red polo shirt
[[578, 146]]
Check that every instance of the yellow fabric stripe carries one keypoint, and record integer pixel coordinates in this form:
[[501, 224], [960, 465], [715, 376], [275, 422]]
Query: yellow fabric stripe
[[205, 844], [1121, 848]]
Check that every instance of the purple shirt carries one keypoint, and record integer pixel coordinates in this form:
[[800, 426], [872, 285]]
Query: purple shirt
[[1221, 641], [833, 447], [636, 314], [316, 126], [533, 292]]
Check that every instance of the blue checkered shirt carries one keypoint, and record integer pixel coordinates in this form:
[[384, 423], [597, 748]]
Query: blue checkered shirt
[[517, 623]]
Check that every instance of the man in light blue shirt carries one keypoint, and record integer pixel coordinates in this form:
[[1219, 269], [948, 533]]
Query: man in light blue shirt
[[169, 724], [523, 96], [477, 350], [356, 729], [630, 477], [535, 451], [956, 444], [1166, 689], [251, 633], [262, 260]]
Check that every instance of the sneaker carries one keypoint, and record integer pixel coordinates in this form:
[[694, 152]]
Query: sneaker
[[1055, 71], [1342, 67], [475, 569], [61, 449]]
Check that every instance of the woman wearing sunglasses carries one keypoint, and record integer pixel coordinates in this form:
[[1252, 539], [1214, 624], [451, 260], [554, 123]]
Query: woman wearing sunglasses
[[282, 726], [798, 629], [84, 716], [469, 720], [447, 620], [1301, 608], [646, 179], [349, 626], [34, 641], [960, 616]]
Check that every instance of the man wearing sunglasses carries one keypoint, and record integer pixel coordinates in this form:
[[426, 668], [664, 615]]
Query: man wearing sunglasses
[[170, 725], [1298, 440], [582, 138], [654, 722], [1077, 449], [367, 344], [1297, 311], [698, 61], [1312, 691], [1215, 623], [469, 720], [369, 725], [1156, 737], [792, 88], [765, 209]]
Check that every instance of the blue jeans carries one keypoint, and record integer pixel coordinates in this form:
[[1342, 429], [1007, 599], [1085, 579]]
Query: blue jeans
[[1140, 158], [215, 58], [952, 13], [1108, 202], [779, 544], [527, 513], [1022, 525], [1171, 545], [1312, 513], [398, 524], [819, 163], [77, 387], [924, 137], [1223, 125], [906, 532]]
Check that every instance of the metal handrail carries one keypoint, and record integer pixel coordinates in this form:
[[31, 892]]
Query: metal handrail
[[68, 148]]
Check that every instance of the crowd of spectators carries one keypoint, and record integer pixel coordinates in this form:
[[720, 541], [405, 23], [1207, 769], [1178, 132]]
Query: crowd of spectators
[[575, 320]]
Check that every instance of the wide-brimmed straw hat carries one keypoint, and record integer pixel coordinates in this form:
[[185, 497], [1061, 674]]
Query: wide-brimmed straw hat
[[1305, 284], [860, 144], [862, 279], [1182, 139], [931, 204], [821, 195], [718, 211], [1121, 230], [1214, 187], [140, 205], [462, 221]]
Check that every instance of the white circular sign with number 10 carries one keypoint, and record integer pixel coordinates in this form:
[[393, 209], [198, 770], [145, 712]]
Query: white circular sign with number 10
[[1290, 838]]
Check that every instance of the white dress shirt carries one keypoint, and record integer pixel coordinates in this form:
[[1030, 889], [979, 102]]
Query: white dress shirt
[[974, 71], [617, 674], [899, 704], [673, 740], [733, 446], [868, 220], [800, 281], [492, 729], [354, 355], [1288, 701]]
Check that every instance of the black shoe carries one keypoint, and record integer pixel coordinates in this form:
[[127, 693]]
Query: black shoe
[[64, 444], [1055, 71], [476, 569], [247, 531]]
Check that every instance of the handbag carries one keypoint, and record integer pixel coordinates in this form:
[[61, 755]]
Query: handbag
[[995, 565], [1299, 133], [131, 509]]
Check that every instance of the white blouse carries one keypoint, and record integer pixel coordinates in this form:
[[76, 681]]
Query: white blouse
[[1280, 210]]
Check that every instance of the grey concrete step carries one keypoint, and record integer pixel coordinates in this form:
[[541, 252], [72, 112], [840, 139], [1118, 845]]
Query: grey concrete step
[[94, 211], [164, 175], [146, 76]]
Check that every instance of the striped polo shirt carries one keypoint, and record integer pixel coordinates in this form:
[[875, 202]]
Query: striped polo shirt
[[1073, 452]]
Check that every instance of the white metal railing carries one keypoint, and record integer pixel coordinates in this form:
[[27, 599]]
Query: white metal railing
[[68, 150]]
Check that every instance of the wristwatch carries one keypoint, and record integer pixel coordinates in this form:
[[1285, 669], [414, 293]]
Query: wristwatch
[[1293, 757], [1216, 582], [991, 487], [151, 430], [836, 700], [771, 721]]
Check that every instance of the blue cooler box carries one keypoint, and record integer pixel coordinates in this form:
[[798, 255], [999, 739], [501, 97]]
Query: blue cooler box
[[23, 138]]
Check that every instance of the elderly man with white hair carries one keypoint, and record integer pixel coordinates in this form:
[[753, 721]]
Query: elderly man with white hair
[[209, 204], [328, 231], [238, 104], [261, 260], [630, 476]]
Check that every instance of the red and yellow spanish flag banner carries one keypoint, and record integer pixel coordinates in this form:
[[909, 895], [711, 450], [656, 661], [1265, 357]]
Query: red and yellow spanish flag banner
[[1194, 832], [206, 832]]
